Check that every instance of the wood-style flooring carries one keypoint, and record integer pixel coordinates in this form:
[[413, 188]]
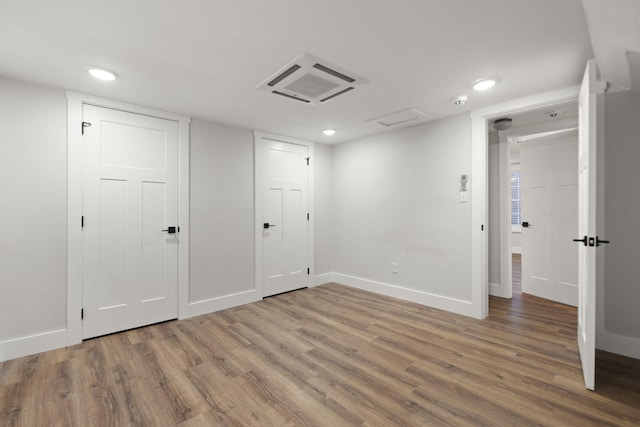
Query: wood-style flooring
[[328, 356]]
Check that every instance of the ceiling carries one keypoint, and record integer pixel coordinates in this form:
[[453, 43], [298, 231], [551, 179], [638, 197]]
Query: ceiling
[[204, 58]]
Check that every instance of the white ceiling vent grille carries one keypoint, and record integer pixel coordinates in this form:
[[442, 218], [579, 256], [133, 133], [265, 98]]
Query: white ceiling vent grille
[[400, 118], [311, 80]]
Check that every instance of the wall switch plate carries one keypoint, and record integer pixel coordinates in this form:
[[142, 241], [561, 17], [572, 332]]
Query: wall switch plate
[[464, 196], [394, 267]]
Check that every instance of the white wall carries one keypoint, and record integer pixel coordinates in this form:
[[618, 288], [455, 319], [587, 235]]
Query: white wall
[[395, 200], [221, 211], [323, 257], [622, 227], [33, 213]]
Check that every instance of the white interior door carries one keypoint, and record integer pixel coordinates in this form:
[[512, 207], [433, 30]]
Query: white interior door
[[130, 195], [587, 224], [549, 182], [285, 232]]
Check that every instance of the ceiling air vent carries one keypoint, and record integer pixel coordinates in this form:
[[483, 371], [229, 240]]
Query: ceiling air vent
[[400, 118], [311, 80]]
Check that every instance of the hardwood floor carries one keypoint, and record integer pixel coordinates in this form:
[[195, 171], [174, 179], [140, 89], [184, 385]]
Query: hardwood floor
[[328, 356]]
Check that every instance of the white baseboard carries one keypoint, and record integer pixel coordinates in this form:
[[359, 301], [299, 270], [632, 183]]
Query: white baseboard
[[322, 279], [516, 250], [619, 344], [431, 300], [496, 290], [198, 308], [32, 344]]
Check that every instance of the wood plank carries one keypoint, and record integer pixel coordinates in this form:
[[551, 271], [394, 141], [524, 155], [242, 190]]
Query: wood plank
[[330, 355]]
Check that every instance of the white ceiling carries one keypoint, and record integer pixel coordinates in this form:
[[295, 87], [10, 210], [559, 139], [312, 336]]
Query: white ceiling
[[203, 58], [614, 26]]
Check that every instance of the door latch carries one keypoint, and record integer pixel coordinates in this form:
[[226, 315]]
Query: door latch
[[583, 240], [266, 225]]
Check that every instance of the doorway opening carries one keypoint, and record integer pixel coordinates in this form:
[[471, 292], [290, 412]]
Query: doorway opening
[[532, 189]]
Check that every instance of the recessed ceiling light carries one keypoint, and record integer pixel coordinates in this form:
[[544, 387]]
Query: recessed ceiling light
[[329, 132], [484, 84], [102, 74]]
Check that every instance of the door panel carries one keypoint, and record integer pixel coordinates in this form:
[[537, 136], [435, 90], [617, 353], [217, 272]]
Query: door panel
[[153, 243], [130, 196], [535, 262], [286, 204], [549, 204], [589, 120]]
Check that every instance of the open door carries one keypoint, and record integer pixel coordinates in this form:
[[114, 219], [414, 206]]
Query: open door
[[587, 220]]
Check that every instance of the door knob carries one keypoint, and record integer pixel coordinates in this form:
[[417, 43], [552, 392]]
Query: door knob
[[266, 225], [599, 242], [583, 240], [172, 230]]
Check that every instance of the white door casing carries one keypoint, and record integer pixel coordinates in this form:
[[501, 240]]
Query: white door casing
[[590, 218], [130, 196], [549, 182], [283, 214], [480, 122]]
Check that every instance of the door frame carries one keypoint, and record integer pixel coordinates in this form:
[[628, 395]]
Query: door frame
[[258, 176], [480, 187], [75, 103]]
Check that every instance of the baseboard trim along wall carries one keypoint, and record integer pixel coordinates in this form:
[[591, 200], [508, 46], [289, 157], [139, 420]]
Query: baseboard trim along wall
[[431, 300], [32, 344], [322, 279], [619, 344], [211, 305]]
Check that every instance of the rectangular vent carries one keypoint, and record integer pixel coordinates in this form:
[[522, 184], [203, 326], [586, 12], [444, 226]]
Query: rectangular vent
[[289, 96], [400, 117], [333, 73], [336, 94], [284, 75]]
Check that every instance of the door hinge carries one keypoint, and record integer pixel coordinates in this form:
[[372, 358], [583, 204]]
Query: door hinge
[[308, 271], [482, 227], [82, 221], [85, 125], [307, 217], [81, 313], [307, 159]]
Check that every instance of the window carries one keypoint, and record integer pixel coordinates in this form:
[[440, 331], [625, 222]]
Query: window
[[516, 218]]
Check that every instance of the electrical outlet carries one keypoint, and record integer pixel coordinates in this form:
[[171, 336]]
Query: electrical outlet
[[394, 267]]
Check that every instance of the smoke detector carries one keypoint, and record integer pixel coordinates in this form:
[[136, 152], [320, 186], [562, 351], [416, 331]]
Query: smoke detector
[[460, 100], [503, 123], [311, 80]]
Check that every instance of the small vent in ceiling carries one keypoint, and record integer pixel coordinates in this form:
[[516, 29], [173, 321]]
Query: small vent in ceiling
[[400, 117], [311, 80]]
